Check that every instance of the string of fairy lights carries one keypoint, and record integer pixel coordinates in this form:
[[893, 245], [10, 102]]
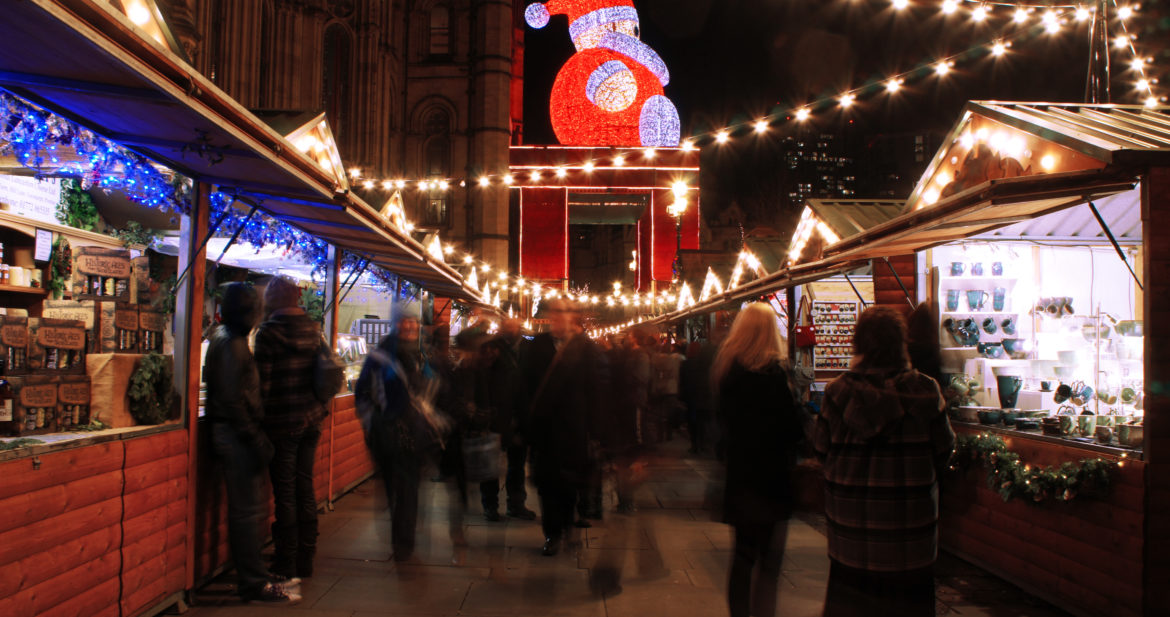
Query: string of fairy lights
[[1021, 21]]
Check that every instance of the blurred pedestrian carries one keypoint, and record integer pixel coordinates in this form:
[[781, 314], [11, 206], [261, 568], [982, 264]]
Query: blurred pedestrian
[[568, 378], [286, 353], [241, 447], [664, 399], [883, 437], [395, 395], [764, 429], [509, 419], [695, 391], [922, 342]]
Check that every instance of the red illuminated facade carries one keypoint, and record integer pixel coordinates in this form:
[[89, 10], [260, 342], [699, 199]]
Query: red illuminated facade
[[575, 184]]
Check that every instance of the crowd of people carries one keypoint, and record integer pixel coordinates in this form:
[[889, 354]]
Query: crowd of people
[[575, 414]]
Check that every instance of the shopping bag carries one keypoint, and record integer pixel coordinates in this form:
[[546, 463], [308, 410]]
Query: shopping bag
[[481, 457]]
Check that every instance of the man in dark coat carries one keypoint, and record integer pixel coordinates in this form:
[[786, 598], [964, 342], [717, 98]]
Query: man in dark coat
[[286, 353], [568, 377], [241, 447], [506, 393]]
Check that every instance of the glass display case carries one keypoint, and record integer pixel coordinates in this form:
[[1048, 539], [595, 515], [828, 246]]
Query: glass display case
[[352, 349]]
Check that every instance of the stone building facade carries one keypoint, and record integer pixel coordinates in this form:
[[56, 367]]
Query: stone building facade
[[413, 89]]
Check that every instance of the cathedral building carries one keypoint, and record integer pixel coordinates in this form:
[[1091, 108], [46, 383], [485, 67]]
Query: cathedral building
[[412, 89]]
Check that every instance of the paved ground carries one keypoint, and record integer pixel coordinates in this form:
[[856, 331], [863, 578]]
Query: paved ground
[[668, 558]]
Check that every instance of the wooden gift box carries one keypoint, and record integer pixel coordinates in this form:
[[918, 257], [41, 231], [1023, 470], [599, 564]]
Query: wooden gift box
[[152, 325], [56, 346], [126, 329], [73, 401], [101, 274], [34, 404], [14, 345]]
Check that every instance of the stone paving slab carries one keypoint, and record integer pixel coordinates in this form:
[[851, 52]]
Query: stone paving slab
[[668, 558]]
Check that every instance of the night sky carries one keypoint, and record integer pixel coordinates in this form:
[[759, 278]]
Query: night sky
[[735, 60]]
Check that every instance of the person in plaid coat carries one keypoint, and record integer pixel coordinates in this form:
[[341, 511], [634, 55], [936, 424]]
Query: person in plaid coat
[[884, 437]]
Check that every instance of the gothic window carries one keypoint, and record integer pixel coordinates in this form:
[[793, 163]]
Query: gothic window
[[336, 75], [440, 31], [436, 164]]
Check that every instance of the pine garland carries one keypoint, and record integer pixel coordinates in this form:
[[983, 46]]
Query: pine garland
[[1012, 478]]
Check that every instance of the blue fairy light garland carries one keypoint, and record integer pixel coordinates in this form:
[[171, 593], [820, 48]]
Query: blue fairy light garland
[[37, 138]]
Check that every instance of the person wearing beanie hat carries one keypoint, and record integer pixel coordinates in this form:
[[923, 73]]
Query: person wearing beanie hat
[[286, 355], [240, 446], [610, 93], [394, 398]]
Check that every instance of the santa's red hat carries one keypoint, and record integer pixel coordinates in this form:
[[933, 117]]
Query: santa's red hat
[[583, 14]]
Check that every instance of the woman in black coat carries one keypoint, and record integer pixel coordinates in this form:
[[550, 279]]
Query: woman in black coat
[[763, 429]]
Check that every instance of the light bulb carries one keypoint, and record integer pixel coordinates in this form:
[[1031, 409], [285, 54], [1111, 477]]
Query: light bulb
[[649, 153], [893, 85], [1121, 42], [846, 100], [761, 126], [998, 49], [138, 13], [561, 172], [1051, 22], [689, 146], [1152, 102], [1047, 162], [588, 167], [508, 179], [484, 181], [387, 185], [368, 184], [942, 68], [722, 137], [1021, 16], [949, 6], [619, 160], [1083, 13], [443, 184], [979, 14], [400, 184], [355, 172], [1143, 84], [535, 175], [900, 4], [802, 114], [1125, 12]]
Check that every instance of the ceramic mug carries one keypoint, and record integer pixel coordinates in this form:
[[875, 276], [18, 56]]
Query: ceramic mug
[[976, 268], [1009, 326], [957, 268], [1086, 425], [1062, 394], [1045, 386], [1067, 423], [953, 299], [976, 298], [989, 325], [1013, 346], [1104, 434], [1128, 395], [1081, 394], [997, 268], [990, 350], [998, 298]]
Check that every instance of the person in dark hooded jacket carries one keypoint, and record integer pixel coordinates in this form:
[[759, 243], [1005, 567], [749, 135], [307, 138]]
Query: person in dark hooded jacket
[[394, 397], [883, 437], [243, 450], [286, 353]]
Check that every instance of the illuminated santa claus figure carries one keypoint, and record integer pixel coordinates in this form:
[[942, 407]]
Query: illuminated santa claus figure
[[610, 92]]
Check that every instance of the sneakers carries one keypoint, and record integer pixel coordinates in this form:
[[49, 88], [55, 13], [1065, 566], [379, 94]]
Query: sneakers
[[285, 581], [522, 513], [274, 593], [551, 547]]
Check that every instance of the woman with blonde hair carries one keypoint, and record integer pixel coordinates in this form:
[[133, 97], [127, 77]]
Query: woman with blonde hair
[[763, 428]]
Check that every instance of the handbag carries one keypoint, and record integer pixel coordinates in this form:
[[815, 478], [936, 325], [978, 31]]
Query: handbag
[[804, 335], [481, 457]]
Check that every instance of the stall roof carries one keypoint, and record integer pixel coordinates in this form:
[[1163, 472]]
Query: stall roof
[[853, 216], [86, 61], [1044, 158]]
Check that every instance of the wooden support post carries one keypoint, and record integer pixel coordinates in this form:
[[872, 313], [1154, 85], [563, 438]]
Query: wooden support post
[[332, 320], [189, 345]]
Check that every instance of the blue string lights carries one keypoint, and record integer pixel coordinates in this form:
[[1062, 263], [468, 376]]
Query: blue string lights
[[54, 146]]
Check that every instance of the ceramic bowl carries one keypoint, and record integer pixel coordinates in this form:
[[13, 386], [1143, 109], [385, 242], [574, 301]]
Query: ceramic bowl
[[1024, 423], [990, 417], [1009, 416]]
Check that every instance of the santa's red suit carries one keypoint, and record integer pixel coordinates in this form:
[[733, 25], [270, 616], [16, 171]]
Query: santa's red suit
[[610, 93]]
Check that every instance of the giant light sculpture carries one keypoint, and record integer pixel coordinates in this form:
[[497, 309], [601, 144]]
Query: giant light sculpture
[[609, 93]]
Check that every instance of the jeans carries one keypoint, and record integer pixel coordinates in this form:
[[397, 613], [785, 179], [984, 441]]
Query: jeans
[[860, 593], [243, 474], [400, 474], [489, 491], [294, 532], [755, 568]]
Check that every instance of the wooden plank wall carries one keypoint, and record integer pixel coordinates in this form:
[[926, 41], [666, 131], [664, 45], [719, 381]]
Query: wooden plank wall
[[1156, 272], [96, 530], [101, 530], [1084, 556], [886, 291]]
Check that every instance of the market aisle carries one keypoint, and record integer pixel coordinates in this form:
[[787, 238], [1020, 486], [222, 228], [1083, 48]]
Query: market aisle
[[669, 558]]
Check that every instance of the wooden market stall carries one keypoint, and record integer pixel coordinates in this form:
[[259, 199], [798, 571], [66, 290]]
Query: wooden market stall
[[125, 521], [1044, 218]]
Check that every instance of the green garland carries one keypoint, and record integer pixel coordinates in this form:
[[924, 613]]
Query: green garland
[[23, 442], [150, 389], [1011, 478], [60, 267]]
